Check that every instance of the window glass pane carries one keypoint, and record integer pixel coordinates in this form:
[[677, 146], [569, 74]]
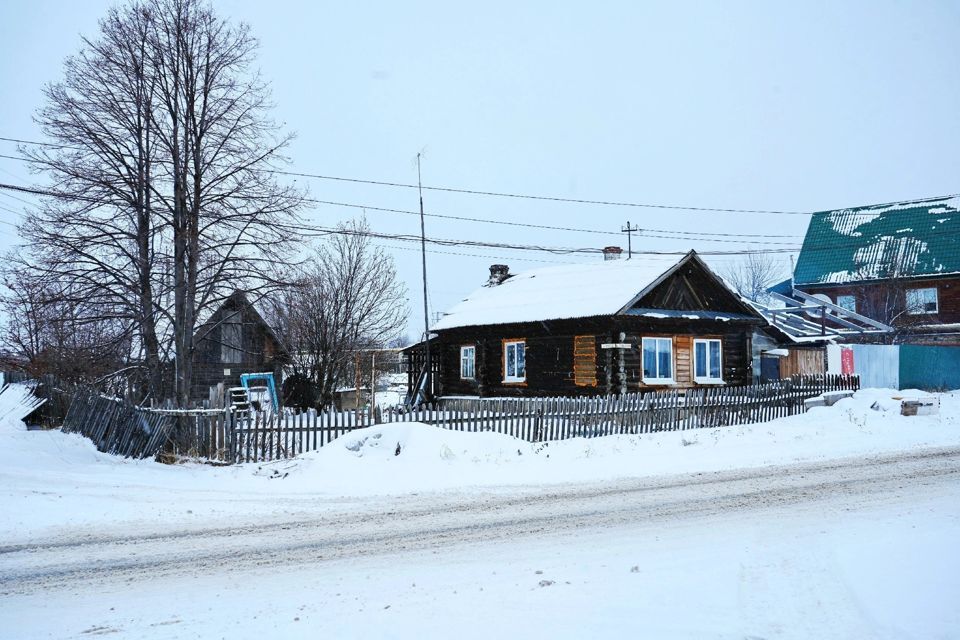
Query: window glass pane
[[664, 368], [715, 359], [913, 299], [466, 362], [649, 358], [511, 360], [700, 359], [521, 360], [847, 302], [231, 339], [922, 300]]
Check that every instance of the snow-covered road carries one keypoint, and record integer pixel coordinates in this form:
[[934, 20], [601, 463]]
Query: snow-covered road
[[839, 523], [650, 529]]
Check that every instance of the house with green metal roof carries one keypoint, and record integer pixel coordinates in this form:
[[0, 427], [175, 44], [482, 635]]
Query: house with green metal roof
[[896, 263]]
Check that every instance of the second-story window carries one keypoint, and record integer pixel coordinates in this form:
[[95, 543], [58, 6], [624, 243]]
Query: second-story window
[[231, 339], [922, 300], [847, 302]]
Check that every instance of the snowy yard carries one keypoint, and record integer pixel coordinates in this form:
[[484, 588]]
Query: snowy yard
[[838, 523]]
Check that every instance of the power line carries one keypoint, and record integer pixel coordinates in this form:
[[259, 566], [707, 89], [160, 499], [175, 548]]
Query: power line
[[13, 197], [528, 225], [695, 235], [9, 224], [521, 195], [473, 255], [14, 157], [38, 143], [317, 231], [475, 192], [499, 194]]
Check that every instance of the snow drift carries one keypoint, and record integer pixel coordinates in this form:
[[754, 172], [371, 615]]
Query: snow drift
[[50, 479]]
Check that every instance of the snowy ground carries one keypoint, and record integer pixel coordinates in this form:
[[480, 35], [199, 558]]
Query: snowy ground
[[839, 523]]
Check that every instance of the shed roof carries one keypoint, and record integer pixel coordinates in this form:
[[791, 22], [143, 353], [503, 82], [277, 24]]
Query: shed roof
[[909, 239], [238, 298], [559, 293]]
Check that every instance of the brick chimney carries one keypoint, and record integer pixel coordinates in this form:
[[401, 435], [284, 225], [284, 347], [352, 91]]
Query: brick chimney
[[612, 253], [498, 273]]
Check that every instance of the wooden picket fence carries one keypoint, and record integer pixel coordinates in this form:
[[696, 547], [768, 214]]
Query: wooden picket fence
[[120, 427], [256, 439]]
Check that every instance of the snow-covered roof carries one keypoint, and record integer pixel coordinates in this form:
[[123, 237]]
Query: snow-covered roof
[[902, 240], [558, 293]]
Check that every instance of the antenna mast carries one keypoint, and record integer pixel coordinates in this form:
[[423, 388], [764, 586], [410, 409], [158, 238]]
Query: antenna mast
[[427, 387]]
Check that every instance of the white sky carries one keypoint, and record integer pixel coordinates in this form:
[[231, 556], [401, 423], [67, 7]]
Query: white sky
[[799, 106]]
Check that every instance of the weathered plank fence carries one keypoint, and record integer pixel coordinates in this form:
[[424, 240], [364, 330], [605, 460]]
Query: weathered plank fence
[[120, 427], [541, 419]]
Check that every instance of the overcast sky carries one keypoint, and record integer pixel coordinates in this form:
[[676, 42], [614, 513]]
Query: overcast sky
[[750, 105]]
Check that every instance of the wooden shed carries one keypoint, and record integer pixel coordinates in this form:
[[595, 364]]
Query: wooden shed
[[234, 339]]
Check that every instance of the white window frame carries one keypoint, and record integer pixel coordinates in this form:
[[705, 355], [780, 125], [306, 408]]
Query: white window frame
[[853, 300], [506, 357], [658, 379], [708, 379], [917, 310], [468, 353]]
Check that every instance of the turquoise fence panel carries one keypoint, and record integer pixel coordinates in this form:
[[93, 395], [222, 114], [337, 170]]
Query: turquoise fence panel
[[931, 368]]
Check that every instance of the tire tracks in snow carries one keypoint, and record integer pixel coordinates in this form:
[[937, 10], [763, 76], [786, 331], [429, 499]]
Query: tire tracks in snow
[[443, 519]]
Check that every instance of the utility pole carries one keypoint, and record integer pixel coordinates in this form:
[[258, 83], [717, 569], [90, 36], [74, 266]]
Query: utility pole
[[373, 383], [629, 231], [357, 381], [427, 388]]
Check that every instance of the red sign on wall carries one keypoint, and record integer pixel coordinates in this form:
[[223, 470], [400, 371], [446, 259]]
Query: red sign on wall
[[846, 360]]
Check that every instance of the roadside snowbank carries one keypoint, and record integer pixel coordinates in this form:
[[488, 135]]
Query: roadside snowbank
[[50, 479], [367, 461]]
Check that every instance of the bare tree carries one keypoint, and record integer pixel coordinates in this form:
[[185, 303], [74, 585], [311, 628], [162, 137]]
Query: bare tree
[[229, 217], [163, 165], [347, 301], [754, 274], [48, 333], [100, 240], [882, 290]]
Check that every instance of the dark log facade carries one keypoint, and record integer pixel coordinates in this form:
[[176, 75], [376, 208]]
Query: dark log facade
[[603, 355]]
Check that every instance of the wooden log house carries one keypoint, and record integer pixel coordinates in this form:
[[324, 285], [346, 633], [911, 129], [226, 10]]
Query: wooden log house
[[610, 327]]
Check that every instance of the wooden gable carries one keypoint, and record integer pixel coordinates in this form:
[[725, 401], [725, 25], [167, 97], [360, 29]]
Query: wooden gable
[[693, 287]]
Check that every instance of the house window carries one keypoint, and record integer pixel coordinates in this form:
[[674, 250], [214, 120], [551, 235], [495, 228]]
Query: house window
[[514, 361], [707, 361], [922, 300], [847, 302], [231, 339], [468, 358], [658, 360]]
